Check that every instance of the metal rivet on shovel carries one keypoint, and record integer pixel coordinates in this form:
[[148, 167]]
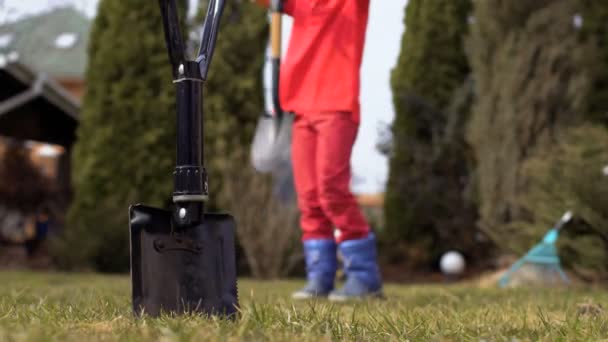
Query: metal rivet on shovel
[[171, 272]]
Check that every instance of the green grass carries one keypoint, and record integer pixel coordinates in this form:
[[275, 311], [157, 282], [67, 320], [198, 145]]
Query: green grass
[[95, 307]]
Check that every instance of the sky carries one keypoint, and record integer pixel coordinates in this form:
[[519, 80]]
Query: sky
[[382, 48]]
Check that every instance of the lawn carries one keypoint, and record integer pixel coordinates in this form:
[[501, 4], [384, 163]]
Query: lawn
[[96, 307]]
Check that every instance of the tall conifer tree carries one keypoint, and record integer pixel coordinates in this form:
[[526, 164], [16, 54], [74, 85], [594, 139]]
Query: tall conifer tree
[[424, 205], [126, 138]]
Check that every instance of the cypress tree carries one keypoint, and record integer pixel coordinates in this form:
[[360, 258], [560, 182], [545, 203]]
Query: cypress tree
[[569, 177], [425, 206], [593, 17], [531, 81], [126, 138], [538, 126]]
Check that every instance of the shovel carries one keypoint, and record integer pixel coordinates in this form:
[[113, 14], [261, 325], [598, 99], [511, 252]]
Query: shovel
[[183, 259], [270, 150]]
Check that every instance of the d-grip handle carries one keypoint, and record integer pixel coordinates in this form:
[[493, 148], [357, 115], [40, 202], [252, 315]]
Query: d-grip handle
[[173, 35], [175, 41], [211, 28]]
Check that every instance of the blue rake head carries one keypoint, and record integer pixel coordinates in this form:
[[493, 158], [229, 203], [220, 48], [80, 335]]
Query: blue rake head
[[543, 254]]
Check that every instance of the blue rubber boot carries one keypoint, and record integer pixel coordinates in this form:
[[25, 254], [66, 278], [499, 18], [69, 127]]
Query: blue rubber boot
[[361, 268], [321, 264]]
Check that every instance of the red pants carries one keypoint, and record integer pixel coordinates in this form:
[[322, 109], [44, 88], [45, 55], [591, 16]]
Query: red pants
[[321, 150]]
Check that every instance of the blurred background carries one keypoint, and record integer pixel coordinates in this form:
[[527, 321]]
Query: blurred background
[[482, 123]]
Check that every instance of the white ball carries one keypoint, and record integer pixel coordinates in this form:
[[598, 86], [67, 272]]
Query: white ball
[[452, 263]]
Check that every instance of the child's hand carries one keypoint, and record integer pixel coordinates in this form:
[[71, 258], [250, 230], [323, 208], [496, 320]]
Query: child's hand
[[264, 3]]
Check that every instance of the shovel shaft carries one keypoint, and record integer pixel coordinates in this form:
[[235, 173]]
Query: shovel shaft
[[190, 176], [189, 123]]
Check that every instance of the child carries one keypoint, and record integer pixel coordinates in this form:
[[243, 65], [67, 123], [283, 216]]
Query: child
[[320, 85]]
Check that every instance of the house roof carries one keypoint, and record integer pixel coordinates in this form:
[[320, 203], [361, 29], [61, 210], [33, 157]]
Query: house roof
[[53, 42], [34, 107]]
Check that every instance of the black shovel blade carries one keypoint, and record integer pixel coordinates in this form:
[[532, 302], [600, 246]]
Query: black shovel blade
[[190, 271]]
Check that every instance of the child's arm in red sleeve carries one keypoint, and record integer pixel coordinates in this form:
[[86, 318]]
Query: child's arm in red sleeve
[[289, 6], [264, 3]]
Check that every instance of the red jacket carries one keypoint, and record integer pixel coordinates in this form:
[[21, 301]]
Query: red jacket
[[320, 72]]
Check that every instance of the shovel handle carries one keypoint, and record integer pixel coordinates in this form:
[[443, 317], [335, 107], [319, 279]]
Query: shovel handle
[[175, 41], [190, 177], [173, 35], [211, 28], [276, 26]]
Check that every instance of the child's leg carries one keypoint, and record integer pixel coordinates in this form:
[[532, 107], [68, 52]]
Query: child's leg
[[313, 221], [317, 229], [336, 134]]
